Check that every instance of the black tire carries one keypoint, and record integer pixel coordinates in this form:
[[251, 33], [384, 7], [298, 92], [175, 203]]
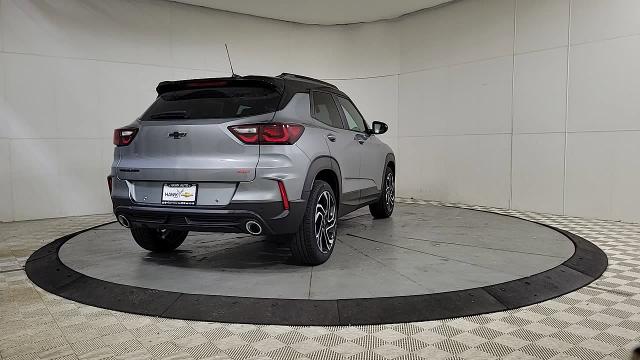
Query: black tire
[[383, 208], [158, 240], [305, 246]]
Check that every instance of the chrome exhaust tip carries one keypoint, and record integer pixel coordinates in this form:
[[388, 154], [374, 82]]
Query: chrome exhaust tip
[[123, 221], [253, 227]]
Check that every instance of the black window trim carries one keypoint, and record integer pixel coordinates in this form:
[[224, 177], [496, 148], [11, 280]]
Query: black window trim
[[345, 123], [337, 105]]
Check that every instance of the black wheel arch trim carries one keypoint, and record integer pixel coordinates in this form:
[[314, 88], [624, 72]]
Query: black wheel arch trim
[[45, 269], [391, 158], [318, 164]]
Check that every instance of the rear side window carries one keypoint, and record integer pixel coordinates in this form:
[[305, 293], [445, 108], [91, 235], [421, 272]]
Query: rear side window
[[214, 103], [325, 110], [355, 121]]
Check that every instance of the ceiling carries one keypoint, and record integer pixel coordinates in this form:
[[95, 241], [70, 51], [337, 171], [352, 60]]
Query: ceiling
[[324, 12]]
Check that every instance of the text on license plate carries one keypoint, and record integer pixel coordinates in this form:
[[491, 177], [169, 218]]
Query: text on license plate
[[179, 194]]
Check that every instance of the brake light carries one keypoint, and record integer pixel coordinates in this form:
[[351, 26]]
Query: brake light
[[283, 195], [110, 183], [268, 134], [204, 84], [124, 136]]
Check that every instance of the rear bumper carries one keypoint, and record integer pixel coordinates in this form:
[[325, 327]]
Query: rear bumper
[[230, 218]]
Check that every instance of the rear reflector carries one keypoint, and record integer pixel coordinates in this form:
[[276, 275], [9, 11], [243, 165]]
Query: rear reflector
[[124, 136], [283, 195], [268, 134]]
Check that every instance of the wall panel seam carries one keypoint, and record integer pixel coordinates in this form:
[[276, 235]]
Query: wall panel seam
[[10, 165], [513, 85], [566, 114]]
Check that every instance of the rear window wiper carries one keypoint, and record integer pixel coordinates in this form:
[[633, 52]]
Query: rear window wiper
[[178, 114]]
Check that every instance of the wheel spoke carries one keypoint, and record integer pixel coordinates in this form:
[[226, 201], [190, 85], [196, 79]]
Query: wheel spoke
[[390, 195], [318, 224], [325, 221]]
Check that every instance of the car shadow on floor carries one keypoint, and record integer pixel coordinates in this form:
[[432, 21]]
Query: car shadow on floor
[[238, 255]]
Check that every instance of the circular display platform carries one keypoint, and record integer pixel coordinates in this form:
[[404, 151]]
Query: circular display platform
[[425, 262]]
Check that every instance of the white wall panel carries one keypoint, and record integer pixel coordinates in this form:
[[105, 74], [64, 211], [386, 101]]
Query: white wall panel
[[538, 172], [4, 108], [77, 115], [414, 157], [479, 98], [603, 173], [423, 102], [461, 32], [30, 96], [604, 91], [541, 24], [34, 175], [197, 39], [1, 29], [540, 91], [54, 178], [368, 50], [593, 20], [471, 169], [473, 98], [129, 31], [6, 201]]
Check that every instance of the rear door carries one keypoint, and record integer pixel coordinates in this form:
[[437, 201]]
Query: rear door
[[342, 146], [187, 150], [183, 138]]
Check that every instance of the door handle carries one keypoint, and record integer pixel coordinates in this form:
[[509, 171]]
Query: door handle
[[331, 137]]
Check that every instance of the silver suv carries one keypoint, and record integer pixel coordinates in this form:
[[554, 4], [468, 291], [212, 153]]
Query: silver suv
[[282, 156]]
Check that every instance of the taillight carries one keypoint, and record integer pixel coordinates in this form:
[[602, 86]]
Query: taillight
[[248, 134], [124, 136], [271, 134], [110, 183], [283, 195]]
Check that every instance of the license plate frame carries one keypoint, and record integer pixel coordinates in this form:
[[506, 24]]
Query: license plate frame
[[179, 194]]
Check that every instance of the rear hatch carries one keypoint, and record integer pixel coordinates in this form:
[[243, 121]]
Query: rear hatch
[[183, 136]]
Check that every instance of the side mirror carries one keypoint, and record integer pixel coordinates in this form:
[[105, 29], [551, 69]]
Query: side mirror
[[378, 127]]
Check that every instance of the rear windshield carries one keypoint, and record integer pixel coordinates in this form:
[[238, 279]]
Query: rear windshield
[[214, 103]]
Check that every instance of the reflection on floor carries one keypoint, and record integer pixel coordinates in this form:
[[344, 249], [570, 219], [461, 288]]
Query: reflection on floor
[[600, 321]]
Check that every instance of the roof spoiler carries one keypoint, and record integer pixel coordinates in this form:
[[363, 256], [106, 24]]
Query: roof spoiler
[[289, 75], [169, 86]]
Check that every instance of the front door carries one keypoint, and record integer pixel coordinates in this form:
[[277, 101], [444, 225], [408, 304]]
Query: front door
[[371, 162]]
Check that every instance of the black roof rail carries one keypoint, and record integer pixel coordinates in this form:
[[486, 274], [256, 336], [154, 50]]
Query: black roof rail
[[307, 78]]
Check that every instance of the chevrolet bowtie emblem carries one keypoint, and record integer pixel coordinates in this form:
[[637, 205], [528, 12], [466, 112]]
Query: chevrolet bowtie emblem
[[177, 135]]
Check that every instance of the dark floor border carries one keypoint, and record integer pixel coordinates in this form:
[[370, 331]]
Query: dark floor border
[[45, 269]]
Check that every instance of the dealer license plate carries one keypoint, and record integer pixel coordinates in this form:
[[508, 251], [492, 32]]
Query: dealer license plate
[[179, 194]]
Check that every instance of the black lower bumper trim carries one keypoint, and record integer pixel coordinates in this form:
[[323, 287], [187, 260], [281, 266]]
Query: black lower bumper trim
[[231, 218]]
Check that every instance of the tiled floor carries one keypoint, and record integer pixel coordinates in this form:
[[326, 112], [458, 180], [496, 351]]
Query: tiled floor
[[600, 321]]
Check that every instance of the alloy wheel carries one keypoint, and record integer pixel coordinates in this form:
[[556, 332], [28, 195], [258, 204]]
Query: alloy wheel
[[390, 191], [325, 221]]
